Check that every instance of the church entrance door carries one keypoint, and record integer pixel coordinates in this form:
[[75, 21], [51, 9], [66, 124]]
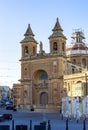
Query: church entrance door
[[43, 98]]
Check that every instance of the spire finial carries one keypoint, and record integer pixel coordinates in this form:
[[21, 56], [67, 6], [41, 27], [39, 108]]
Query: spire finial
[[57, 30], [29, 31], [57, 19], [57, 26], [28, 25]]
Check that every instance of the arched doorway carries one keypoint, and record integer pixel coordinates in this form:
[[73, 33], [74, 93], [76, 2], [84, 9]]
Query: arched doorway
[[43, 98], [40, 88]]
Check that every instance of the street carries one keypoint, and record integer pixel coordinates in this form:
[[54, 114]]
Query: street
[[23, 117]]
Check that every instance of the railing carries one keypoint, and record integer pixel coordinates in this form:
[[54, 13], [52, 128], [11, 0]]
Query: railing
[[43, 55], [77, 52]]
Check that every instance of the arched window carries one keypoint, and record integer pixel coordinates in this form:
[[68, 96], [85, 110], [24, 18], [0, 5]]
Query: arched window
[[43, 78], [68, 86], [55, 46], [63, 48], [73, 70], [74, 60], [26, 49], [78, 89], [25, 72], [77, 39], [84, 62], [34, 50]]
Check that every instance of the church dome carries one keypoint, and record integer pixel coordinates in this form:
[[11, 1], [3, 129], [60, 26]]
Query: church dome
[[78, 46]]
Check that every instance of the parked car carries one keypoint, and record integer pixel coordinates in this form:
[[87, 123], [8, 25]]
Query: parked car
[[9, 107], [7, 116], [14, 109], [1, 117]]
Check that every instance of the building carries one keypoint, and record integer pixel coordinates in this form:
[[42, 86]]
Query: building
[[16, 95], [42, 73], [47, 77], [5, 92], [76, 89], [78, 52], [75, 84], [75, 79]]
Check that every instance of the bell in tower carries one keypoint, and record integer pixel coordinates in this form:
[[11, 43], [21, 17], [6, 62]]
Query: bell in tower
[[57, 39], [29, 44]]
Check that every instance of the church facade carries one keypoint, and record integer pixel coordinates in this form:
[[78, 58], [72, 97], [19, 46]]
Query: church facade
[[43, 75]]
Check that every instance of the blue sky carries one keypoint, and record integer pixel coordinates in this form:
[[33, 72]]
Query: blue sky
[[15, 15]]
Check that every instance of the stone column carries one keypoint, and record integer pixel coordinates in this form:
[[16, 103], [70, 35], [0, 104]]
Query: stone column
[[49, 91]]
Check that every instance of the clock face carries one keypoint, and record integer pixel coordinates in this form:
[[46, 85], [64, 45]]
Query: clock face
[[55, 62]]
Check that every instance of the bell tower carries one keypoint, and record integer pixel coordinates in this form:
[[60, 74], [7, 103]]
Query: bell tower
[[29, 50], [29, 44], [57, 40]]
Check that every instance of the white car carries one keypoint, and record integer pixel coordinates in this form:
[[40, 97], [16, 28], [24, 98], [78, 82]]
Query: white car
[[1, 118]]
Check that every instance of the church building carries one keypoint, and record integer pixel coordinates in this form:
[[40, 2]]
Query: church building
[[46, 76], [42, 73]]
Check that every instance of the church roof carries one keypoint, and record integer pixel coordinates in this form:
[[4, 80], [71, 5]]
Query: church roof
[[29, 36], [57, 30], [28, 31], [77, 49], [80, 46], [78, 43], [57, 26]]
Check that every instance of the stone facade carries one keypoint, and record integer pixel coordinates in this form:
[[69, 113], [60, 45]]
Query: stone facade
[[76, 84], [42, 73], [78, 52], [75, 80], [46, 77], [16, 95]]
